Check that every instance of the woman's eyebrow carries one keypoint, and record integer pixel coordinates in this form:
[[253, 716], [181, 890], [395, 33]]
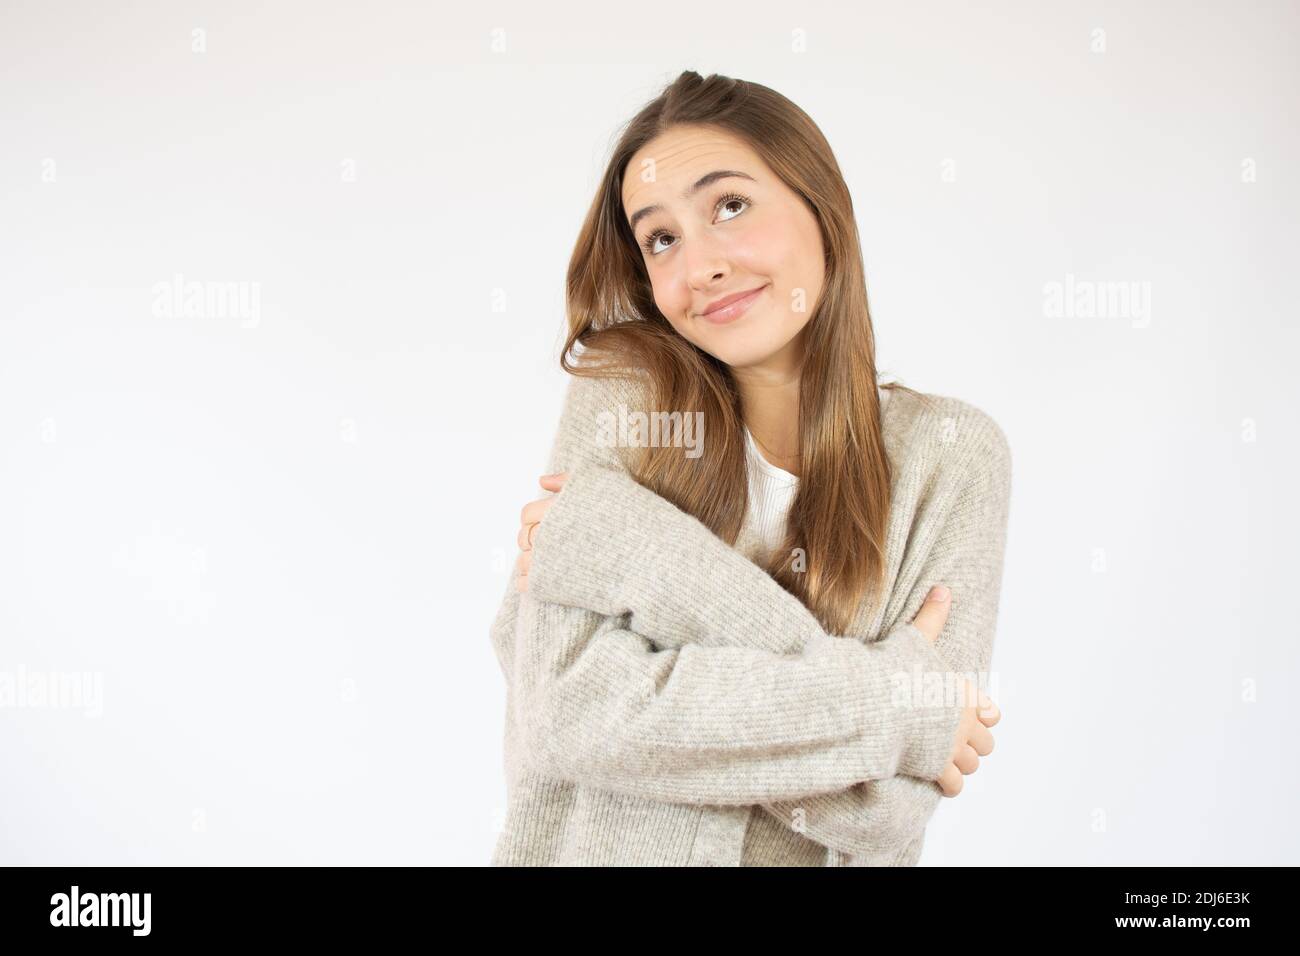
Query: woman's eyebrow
[[699, 184]]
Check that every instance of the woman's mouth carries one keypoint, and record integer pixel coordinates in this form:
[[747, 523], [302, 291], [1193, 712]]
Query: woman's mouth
[[733, 309]]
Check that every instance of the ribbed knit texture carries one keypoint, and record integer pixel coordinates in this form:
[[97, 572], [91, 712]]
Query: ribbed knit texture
[[771, 491], [669, 703]]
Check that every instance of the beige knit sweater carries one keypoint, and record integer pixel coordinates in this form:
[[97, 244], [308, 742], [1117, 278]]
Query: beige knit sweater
[[668, 703]]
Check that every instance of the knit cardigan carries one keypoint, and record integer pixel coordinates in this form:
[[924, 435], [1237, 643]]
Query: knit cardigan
[[669, 703]]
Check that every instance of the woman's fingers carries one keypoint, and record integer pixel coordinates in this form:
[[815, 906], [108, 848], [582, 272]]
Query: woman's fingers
[[981, 740], [950, 781], [934, 612], [989, 712], [967, 759], [525, 537], [529, 518], [554, 482], [534, 510]]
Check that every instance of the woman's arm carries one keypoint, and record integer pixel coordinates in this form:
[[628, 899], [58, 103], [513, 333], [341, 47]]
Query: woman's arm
[[598, 704]]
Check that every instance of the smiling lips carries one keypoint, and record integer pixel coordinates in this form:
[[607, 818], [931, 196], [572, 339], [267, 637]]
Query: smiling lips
[[730, 307]]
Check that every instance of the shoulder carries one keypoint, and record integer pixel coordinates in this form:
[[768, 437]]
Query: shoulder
[[606, 388], [591, 403], [953, 435]]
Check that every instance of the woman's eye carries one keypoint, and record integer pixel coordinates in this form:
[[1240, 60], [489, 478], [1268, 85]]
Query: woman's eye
[[649, 243], [731, 199]]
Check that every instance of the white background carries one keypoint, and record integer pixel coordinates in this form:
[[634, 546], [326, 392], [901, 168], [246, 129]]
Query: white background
[[281, 544]]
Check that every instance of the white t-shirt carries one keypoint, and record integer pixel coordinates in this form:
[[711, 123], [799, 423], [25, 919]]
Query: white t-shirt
[[771, 490]]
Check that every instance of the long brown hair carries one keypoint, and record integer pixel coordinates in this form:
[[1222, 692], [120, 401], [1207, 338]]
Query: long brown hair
[[839, 515]]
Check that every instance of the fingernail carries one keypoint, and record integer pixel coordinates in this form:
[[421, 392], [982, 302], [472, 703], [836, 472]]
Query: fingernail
[[939, 593]]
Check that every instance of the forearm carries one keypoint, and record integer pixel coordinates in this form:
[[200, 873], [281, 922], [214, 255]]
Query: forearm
[[610, 545], [870, 820], [720, 725]]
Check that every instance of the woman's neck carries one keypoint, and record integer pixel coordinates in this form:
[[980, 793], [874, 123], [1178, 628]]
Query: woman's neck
[[769, 397]]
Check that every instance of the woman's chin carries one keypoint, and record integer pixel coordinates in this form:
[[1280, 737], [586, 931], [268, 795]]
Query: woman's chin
[[743, 357]]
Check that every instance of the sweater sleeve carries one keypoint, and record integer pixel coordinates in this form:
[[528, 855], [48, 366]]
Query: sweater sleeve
[[720, 725], [625, 551]]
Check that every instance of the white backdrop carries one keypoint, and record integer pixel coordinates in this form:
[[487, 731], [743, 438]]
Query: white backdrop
[[272, 535]]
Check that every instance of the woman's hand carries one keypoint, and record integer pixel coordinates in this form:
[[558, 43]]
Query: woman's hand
[[529, 519], [979, 713]]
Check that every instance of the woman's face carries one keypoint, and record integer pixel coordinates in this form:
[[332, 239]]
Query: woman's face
[[710, 237]]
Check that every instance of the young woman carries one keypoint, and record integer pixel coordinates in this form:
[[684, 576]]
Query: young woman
[[714, 647]]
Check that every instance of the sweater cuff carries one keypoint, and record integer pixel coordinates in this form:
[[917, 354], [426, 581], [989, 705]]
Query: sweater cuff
[[933, 696], [582, 547]]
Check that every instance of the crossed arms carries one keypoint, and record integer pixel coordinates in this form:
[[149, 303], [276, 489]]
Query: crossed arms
[[654, 659]]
